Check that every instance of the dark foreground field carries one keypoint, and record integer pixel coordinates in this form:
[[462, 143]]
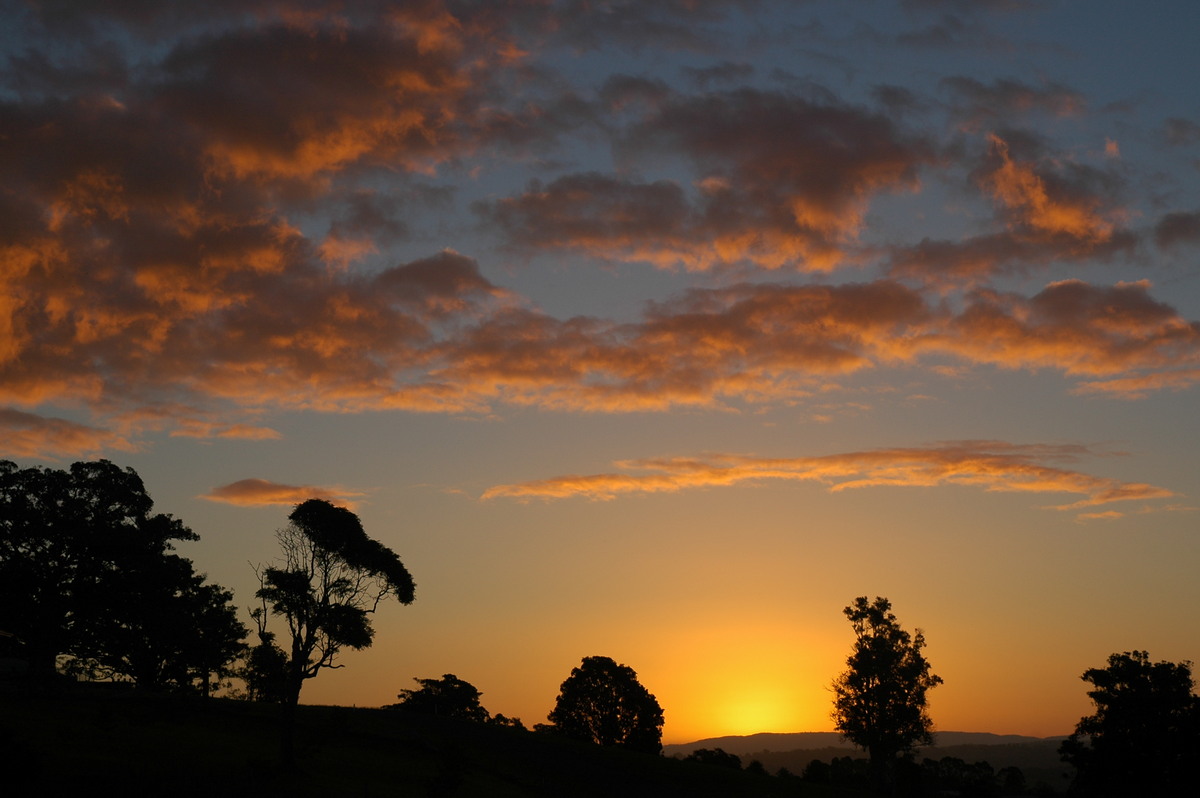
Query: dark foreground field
[[87, 741]]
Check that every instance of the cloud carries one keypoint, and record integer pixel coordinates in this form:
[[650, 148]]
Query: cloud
[[994, 466], [1051, 211], [1140, 386], [260, 492], [758, 343], [290, 101], [779, 181], [434, 335], [976, 102], [1074, 327], [672, 25], [1181, 132], [204, 236], [1042, 207], [752, 342], [191, 428], [1175, 229], [35, 436]]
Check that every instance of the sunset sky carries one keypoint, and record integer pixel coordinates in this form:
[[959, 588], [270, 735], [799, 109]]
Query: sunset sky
[[658, 331]]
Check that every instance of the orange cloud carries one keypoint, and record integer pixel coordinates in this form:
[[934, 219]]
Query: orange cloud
[[1074, 327], [191, 428], [751, 342], [188, 242], [435, 336], [297, 101], [780, 181], [34, 436], [990, 465], [260, 492], [1032, 205], [1138, 387]]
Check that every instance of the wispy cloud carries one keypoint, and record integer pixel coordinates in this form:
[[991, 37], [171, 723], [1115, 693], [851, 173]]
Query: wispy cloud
[[261, 492], [989, 465]]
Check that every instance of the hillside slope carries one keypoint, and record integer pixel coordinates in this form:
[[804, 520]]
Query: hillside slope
[[74, 741]]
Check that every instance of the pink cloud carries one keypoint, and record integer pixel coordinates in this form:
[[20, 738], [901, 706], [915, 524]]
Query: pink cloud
[[260, 492]]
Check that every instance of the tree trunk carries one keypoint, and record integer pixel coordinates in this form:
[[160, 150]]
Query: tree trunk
[[288, 717], [879, 771]]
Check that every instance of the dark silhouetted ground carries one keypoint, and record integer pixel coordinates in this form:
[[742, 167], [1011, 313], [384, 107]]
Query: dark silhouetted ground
[[82, 740]]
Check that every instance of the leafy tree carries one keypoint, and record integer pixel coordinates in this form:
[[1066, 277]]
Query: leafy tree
[[266, 665], [879, 702], [1012, 780], [817, 771], [155, 621], [449, 697], [500, 719], [331, 579], [86, 570], [1144, 737], [603, 702]]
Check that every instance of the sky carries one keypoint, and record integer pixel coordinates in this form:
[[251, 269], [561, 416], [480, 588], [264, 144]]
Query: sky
[[657, 331]]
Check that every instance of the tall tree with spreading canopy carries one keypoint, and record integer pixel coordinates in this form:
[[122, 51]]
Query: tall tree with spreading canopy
[[331, 579], [1144, 737], [604, 703], [87, 571], [879, 702]]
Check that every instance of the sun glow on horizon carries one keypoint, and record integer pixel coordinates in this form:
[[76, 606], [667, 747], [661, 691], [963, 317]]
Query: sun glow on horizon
[[762, 708], [732, 679]]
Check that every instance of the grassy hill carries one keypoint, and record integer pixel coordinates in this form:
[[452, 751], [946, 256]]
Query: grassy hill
[[78, 740]]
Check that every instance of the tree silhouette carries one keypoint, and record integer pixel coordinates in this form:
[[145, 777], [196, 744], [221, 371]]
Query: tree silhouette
[[448, 697], [603, 702], [715, 756], [266, 665], [158, 623], [87, 571], [879, 702], [331, 579], [1144, 737]]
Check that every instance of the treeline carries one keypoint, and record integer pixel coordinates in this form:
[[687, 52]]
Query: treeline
[[945, 776], [91, 587]]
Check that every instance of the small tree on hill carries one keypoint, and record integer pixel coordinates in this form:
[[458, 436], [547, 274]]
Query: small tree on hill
[[1144, 737], [332, 578], [879, 702], [603, 702]]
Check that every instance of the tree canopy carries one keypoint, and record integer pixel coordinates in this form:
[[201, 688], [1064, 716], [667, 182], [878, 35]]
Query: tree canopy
[[879, 702], [1144, 737], [87, 570], [447, 697], [331, 579], [604, 703]]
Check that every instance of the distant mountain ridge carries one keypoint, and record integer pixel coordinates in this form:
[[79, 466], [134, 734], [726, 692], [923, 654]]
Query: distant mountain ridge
[[792, 741]]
